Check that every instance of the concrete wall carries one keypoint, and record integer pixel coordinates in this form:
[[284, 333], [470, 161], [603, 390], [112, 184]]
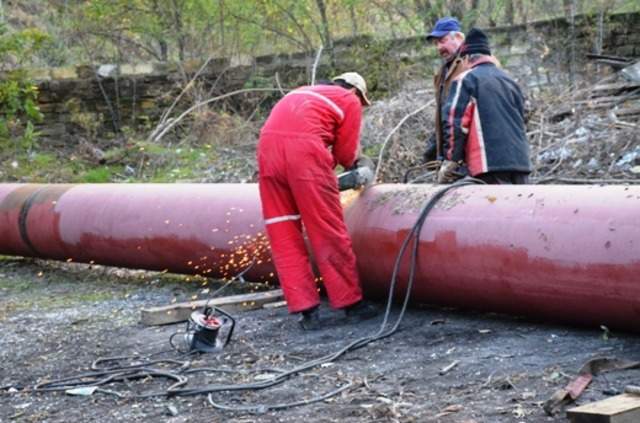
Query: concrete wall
[[108, 97]]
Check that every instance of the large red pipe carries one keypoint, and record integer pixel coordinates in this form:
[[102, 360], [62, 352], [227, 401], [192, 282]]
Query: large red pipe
[[211, 230], [567, 253]]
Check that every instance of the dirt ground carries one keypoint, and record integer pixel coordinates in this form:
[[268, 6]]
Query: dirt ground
[[57, 318]]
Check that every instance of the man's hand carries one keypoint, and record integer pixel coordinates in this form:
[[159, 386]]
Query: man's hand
[[447, 172]]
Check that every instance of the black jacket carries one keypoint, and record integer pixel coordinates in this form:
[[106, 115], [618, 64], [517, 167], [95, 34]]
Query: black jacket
[[483, 121]]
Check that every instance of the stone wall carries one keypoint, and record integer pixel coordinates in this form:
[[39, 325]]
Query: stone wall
[[109, 98]]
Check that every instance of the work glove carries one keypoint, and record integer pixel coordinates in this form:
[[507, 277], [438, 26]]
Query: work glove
[[366, 169], [448, 172], [360, 174], [363, 161], [431, 152]]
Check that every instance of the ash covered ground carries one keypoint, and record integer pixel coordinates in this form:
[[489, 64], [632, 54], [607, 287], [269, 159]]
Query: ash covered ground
[[56, 319]]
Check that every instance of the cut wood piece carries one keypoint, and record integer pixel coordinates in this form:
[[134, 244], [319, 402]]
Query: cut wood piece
[[180, 312], [623, 408], [276, 304]]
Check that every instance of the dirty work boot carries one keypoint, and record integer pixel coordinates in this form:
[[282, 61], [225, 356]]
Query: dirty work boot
[[362, 310], [310, 319]]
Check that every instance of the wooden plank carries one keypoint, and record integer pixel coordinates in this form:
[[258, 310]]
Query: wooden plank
[[180, 312], [624, 408]]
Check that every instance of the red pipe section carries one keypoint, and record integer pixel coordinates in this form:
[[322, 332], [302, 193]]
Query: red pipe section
[[211, 230], [566, 253]]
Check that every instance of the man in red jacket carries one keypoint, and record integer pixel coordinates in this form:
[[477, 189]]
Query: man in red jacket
[[310, 131]]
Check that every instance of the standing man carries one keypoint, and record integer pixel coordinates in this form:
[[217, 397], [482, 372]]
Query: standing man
[[447, 38], [310, 131], [482, 120]]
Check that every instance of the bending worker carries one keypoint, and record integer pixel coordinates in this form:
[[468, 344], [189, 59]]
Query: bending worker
[[310, 131]]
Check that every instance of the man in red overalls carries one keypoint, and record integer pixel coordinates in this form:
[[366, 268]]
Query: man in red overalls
[[310, 131]]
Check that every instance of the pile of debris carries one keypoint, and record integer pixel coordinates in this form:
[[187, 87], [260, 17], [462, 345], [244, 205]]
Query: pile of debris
[[590, 134], [404, 147], [583, 135]]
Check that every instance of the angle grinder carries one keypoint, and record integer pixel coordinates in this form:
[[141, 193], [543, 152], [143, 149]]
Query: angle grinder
[[361, 174]]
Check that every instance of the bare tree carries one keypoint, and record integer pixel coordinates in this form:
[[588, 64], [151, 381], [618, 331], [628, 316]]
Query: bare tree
[[178, 6], [427, 12], [326, 33], [354, 20], [522, 11], [509, 13], [457, 8]]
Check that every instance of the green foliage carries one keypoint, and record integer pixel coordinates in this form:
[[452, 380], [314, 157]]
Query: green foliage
[[18, 95], [89, 122], [98, 175], [43, 160]]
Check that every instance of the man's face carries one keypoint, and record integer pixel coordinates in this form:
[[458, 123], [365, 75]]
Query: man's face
[[447, 46]]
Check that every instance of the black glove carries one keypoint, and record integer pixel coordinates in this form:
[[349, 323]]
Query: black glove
[[431, 151], [363, 161]]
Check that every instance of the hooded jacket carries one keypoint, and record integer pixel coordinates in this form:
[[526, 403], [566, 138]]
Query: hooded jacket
[[482, 120]]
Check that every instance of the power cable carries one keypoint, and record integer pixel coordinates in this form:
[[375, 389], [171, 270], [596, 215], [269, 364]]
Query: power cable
[[383, 331], [102, 375]]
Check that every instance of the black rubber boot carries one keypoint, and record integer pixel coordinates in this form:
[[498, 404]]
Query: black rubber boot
[[310, 319], [362, 310]]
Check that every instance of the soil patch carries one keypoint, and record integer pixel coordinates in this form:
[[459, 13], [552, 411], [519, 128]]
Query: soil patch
[[56, 319]]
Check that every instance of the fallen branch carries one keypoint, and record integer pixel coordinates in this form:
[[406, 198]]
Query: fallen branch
[[170, 124], [187, 87], [278, 84], [393, 131], [315, 65]]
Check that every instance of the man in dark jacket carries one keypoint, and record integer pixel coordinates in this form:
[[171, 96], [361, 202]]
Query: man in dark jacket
[[482, 121]]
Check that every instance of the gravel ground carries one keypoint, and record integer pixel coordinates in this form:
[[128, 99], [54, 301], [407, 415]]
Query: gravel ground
[[57, 318]]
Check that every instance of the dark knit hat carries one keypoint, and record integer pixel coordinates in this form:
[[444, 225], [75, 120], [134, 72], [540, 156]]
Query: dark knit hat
[[476, 42]]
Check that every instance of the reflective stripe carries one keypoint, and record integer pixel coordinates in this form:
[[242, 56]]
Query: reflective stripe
[[452, 111], [478, 126], [281, 219], [333, 105]]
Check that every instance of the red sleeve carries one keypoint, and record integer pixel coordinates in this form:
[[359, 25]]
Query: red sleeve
[[345, 148]]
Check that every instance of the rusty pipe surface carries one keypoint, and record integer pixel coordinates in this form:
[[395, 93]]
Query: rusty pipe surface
[[211, 230], [566, 253]]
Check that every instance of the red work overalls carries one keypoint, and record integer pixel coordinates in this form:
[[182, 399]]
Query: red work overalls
[[298, 187]]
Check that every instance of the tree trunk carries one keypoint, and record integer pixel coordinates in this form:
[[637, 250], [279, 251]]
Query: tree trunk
[[490, 13], [522, 11], [164, 50], [221, 16], [424, 10], [567, 6], [326, 33], [473, 16], [509, 12], [457, 8], [571, 10], [177, 17], [354, 20]]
